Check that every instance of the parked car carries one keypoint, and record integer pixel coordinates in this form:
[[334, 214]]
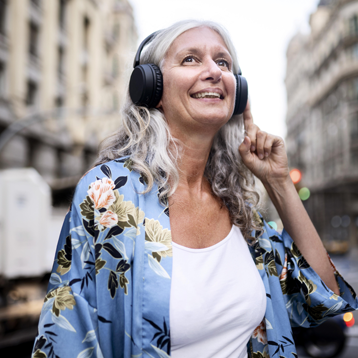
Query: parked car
[[324, 341]]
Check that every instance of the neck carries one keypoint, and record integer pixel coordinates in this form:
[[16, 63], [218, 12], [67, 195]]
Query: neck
[[191, 167]]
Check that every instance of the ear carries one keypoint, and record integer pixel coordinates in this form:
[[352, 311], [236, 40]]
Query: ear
[[159, 105]]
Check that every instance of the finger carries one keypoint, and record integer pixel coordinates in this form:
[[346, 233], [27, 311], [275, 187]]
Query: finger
[[245, 152], [251, 132], [269, 142], [260, 142], [248, 119]]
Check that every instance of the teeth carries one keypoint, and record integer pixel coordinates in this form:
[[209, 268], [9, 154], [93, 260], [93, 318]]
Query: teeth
[[206, 95]]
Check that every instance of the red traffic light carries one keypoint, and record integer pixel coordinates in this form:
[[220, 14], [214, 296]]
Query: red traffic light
[[348, 319], [295, 175]]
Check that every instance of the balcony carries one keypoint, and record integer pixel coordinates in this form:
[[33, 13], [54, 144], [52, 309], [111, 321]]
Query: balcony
[[346, 40], [342, 68]]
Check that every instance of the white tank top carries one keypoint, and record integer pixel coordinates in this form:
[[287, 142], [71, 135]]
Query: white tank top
[[217, 299]]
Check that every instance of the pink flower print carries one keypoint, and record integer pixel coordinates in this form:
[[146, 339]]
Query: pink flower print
[[260, 332], [101, 192], [108, 219]]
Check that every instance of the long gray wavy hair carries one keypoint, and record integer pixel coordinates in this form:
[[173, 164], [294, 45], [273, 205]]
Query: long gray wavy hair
[[144, 135]]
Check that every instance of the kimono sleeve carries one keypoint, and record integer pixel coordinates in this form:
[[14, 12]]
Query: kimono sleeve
[[308, 300], [68, 321]]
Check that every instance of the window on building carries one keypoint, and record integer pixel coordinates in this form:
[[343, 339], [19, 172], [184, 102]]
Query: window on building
[[59, 105], [61, 62], [354, 128], [115, 67], [116, 30], [33, 38], [86, 29], [353, 25], [2, 79], [354, 51], [85, 103], [3, 17], [353, 89], [31, 96], [59, 102], [31, 152], [84, 75], [62, 13], [115, 102], [354, 158]]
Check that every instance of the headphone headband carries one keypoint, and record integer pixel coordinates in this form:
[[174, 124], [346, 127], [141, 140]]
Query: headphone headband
[[140, 48]]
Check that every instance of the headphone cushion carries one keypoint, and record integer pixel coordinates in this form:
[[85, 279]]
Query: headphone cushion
[[158, 86], [241, 95]]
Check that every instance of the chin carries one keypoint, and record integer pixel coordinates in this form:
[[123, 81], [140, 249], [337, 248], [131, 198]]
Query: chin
[[214, 118]]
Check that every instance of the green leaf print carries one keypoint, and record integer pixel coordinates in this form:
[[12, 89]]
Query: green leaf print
[[87, 208]]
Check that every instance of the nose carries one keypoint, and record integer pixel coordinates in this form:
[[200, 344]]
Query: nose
[[211, 71]]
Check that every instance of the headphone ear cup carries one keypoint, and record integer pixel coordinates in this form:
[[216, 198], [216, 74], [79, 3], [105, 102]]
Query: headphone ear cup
[[158, 87], [146, 85], [242, 93]]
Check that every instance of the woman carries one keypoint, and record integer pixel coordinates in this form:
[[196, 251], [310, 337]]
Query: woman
[[122, 269]]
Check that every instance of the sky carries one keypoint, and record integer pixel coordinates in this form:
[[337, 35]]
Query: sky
[[260, 30]]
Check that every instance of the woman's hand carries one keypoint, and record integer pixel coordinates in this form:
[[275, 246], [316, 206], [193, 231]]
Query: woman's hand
[[264, 154]]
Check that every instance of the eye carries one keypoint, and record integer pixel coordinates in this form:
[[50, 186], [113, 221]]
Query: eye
[[223, 63], [190, 59]]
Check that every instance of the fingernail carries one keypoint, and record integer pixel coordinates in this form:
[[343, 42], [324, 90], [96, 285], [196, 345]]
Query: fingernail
[[246, 140], [266, 154], [252, 148], [261, 156]]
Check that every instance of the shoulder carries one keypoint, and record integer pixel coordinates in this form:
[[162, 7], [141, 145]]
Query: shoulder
[[108, 177], [116, 167]]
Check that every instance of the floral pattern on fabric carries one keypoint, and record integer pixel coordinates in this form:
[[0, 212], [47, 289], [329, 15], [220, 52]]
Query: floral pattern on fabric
[[109, 290], [306, 300]]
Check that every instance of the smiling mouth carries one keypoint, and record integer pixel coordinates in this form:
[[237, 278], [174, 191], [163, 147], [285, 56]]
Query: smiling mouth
[[207, 95]]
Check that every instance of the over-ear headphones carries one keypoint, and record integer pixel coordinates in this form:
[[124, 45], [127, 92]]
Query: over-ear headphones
[[146, 83]]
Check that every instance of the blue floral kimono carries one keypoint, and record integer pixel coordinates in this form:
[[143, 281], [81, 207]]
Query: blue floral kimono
[[110, 286]]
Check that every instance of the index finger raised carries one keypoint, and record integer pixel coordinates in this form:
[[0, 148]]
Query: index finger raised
[[248, 119]]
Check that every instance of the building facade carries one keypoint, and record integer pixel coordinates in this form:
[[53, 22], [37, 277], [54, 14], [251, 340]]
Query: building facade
[[322, 118], [63, 70]]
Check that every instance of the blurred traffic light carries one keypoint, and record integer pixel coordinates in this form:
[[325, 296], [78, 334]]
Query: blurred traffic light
[[304, 193], [348, 319], [296, 176]]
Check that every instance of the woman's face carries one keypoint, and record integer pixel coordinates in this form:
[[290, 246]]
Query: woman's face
[[198, 83]]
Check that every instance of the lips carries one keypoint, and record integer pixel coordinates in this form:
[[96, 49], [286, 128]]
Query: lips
[[209, 93]]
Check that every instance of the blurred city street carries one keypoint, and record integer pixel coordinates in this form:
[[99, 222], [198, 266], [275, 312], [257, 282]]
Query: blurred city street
[[64, 75]]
